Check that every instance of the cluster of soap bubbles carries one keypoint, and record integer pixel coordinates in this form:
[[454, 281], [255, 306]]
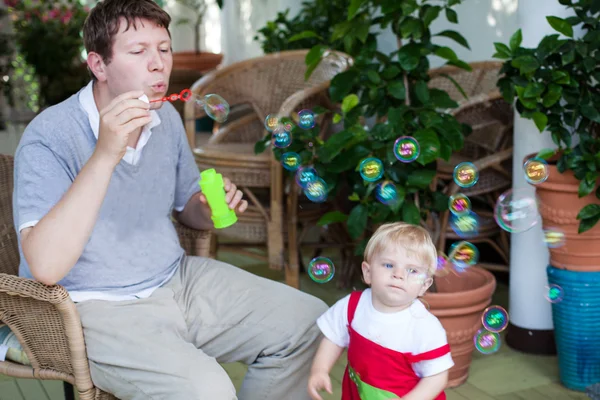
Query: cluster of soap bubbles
[[463, 220], [494, 320], [321, 269], [315, 188]]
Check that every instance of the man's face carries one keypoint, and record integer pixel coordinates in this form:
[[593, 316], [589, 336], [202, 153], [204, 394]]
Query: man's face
[[141, 60]]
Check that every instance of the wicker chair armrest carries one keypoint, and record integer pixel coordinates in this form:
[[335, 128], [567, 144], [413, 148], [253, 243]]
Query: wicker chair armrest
[[194, 241], [46, 322], [291, 103]]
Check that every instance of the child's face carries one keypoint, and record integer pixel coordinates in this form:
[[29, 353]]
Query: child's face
[[396, 279]]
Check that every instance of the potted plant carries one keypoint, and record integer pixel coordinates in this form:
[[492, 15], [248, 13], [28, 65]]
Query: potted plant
[[197, 60], [383, 97], [557, 85], [41, 31]]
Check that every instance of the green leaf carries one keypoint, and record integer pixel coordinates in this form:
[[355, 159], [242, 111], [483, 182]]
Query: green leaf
[[526, 64], [336, 118], [553, 94], [304, 35], [588, 223], [442, 99], [361, 31], [431, 13], [529, 103], [561, 77], [533, 90], [502, 50], [589, 211], [409, 56], [357, 221], [349, 103], [261, 145], [396, 90], [590, 112], [332, 217], [515, 40], [446, 52], [545, 154], [457, 37], [456, 85], [340, 30], [549, 45], [354, 197], [373, 76], [354, 7], [422, 91], [568, 57], [410, 213], [421, 178], [390, 72], [342, 84], [313, 59], [587, 184], [540, 119], [429, 144], [560, 25], [411, 27], [451, 16]]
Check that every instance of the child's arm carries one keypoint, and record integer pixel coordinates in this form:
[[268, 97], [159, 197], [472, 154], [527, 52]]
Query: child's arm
[[428, 388], [327, 354]]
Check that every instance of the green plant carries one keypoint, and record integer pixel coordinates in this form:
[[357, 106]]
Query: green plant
[[197, 8], [6, 53], [313, 23], [557, 85], [390, 89], [48, 35]]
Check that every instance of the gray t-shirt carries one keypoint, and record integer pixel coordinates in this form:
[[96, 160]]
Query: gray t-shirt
[[134, 245]]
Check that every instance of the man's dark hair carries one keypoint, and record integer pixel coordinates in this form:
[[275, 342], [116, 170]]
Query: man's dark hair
[[102, 24]]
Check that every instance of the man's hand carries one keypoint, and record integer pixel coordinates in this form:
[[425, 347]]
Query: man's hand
[[118, 120], [233, 196], [318, 381]]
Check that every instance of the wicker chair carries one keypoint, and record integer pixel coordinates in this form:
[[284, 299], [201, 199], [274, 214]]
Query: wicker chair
[[490, 148], [44, 318], [255, 88], [480, 80]]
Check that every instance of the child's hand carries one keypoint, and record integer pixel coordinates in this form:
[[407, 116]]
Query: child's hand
[[317, 382]]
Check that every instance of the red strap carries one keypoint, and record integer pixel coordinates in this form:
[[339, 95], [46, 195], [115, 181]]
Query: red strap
[[354, 298], [430, 355]]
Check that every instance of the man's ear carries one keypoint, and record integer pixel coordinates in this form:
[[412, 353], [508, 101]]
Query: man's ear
[[97, 66], [366, 271], [426, 284]]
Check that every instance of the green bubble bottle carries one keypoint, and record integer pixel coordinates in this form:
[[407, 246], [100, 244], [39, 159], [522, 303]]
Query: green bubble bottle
[[212, 187]]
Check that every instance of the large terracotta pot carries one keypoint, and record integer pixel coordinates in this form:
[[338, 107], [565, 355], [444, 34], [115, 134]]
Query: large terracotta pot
[[203, 61], [459, 303], [559, 205]]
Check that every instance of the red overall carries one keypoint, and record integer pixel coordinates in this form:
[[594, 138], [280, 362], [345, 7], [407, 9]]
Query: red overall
[[381, 367]]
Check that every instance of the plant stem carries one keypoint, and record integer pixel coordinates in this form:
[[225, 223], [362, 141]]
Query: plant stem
[[404, 77]]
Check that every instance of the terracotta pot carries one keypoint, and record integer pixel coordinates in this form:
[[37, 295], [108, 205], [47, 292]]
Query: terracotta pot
[[459, 303], [203, 61], [559, 205]]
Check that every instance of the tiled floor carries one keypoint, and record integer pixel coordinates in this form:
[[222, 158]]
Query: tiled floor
[[506, 375]]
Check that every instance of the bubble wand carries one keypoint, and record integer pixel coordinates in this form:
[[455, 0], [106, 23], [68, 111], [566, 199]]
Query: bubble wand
[[214, 105]]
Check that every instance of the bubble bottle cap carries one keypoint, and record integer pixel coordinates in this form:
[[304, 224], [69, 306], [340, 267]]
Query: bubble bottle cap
[[212, 187]]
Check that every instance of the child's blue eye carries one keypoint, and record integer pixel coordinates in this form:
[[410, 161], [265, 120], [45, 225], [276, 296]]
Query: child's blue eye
[[388, 265]]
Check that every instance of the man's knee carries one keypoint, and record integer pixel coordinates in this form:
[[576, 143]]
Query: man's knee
[[200, 384]]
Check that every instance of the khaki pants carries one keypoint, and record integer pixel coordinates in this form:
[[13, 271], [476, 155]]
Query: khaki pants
[[169, 345]]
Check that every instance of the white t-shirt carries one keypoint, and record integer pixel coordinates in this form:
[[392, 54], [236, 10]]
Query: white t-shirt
[[413, 330]]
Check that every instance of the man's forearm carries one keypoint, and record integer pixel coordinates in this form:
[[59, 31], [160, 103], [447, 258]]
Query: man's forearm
[[53, 246], [428, 388], [196, 215]]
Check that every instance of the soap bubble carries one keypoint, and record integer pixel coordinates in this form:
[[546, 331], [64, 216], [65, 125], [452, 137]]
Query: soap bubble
[[486, 342], [306, 119], [214, 106], [272, 122], [406, 149], [554, 238], [305, 175], [495, 319], [321, 269], [291, 161], [282, 139], [371, 169], [463, 254], [443, 265], [386, 192], [536, 170], [316, 191], [554, 293], [465, 225], [466, 174], [516, 211], [459, 204]]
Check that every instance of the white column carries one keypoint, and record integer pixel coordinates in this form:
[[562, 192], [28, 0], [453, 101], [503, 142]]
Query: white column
[[529, 255]]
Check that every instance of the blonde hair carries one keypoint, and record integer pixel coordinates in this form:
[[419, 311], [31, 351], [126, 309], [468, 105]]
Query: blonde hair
[[414, 239]]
